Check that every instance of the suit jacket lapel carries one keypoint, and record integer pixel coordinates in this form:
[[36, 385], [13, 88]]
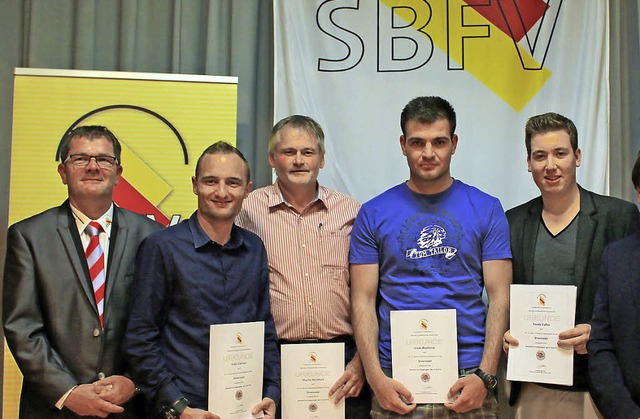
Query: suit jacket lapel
[[117, 245], [587, 224], [530, 237], [68, 232]]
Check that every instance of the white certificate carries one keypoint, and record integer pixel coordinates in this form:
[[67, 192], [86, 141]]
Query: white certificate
[[308, 372], [538, 314], [424, 352], [236, 353]]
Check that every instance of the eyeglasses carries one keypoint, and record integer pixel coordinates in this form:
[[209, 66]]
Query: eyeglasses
[[82, 160]]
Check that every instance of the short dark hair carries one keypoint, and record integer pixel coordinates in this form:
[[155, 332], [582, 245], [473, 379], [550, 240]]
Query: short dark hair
[[302, 122], [427, 110], [635, 173], [223, 147], [547, 122], [92, 132]]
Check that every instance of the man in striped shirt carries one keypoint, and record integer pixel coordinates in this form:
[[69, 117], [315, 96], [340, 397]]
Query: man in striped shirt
[[306, 229]]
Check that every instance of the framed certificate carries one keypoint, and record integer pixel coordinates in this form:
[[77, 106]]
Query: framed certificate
[[308, 372], [538, 314], [236, 355], [424, 352]]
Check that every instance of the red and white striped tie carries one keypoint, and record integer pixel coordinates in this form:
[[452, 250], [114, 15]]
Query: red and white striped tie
[[95, 260]]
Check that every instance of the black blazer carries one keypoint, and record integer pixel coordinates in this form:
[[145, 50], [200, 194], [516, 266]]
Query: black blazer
[[49, 312], [614, 346], [602, 220]]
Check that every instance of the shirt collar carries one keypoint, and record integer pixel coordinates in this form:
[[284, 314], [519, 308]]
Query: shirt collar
[[82, 220], [276, 198], [200, 238]]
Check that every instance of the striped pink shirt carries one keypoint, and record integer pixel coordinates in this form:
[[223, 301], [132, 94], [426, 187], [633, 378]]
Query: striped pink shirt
[[308, 257]]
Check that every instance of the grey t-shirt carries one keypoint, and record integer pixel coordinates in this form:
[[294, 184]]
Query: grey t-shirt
[[554, 259]]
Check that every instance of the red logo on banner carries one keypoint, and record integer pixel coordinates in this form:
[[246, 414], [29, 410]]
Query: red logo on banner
[[125, 194], [513, 18]]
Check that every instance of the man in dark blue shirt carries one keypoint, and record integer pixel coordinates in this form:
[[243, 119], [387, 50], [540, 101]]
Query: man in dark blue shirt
[[203, 271]]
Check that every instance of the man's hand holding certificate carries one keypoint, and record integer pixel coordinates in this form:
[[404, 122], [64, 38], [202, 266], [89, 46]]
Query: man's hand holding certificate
[[539, 314], [424, 350], [235, 370], [308, 372]]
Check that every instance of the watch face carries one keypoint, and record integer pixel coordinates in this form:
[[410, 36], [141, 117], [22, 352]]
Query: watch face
[[169, 413], [179, 406]]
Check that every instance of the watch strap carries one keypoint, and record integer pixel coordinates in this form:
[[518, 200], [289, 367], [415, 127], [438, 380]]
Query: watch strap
[[175, 410], [490, 381], [179, 405]]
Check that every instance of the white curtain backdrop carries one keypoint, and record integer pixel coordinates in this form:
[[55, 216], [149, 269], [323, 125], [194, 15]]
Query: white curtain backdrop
[[353, 65]]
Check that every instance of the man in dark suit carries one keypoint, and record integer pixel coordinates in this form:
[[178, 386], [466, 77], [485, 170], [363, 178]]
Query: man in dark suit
[[558, 239], [63, 323], [614, 345]]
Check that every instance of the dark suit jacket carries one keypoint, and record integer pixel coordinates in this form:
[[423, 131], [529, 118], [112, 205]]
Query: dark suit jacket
[[50, 316], [602, 220], [614, 346]]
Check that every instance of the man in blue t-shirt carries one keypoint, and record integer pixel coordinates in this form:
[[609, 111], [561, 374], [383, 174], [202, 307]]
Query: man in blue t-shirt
[[431, 243]]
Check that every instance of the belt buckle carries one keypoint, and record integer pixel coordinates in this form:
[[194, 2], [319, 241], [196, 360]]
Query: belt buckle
[[309, 340]]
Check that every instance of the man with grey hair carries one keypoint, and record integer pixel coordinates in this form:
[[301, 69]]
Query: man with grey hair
[[558, 239], [306, 229]]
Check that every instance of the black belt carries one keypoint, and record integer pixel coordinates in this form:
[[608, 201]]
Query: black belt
[[348, 339]]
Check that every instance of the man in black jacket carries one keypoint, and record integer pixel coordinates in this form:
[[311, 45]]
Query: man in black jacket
[[558, 239]]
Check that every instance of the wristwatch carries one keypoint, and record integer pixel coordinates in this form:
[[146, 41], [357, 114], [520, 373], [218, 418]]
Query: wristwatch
[[175, 410], [490, 381]]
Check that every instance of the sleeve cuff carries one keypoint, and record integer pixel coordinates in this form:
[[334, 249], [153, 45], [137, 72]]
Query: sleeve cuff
[[60, 403], [273, 393], [168, 395]]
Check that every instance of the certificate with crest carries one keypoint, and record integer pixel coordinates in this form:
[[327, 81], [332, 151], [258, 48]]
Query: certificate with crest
[[308, 372], [538, 314], [236, 353], [424, 352]]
